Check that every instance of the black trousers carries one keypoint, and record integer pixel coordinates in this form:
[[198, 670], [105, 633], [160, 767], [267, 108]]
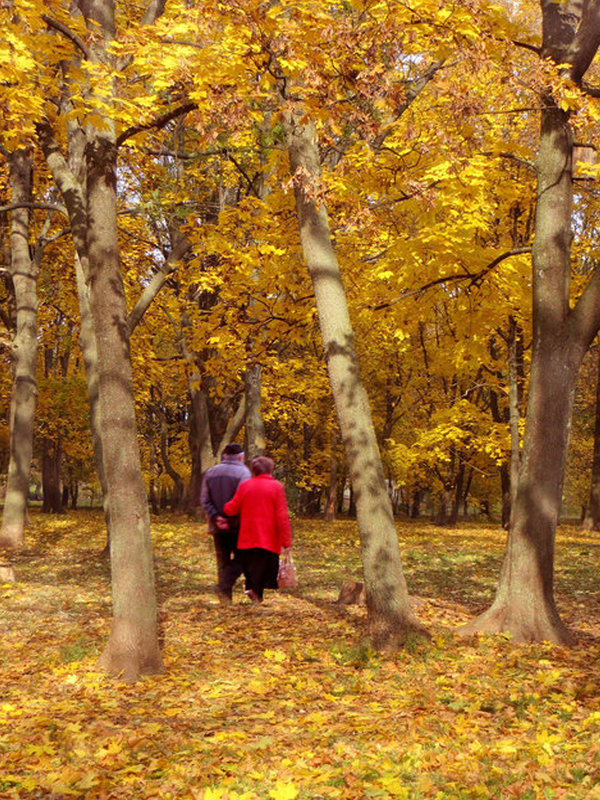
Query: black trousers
[[260, 569], [229, 567]]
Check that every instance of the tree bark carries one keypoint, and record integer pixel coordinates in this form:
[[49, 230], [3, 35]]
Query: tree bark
[[133, 646], [255, 429], [515, 362], [51, 463], [390, 615], [331, 502], [89, 351], [24, 272], [524, 605]]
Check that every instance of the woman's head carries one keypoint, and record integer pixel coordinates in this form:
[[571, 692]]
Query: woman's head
[[262, 465]]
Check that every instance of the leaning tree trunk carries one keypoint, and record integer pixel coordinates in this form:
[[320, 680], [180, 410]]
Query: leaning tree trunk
[[390, 615], [24, 271], [524, 605]]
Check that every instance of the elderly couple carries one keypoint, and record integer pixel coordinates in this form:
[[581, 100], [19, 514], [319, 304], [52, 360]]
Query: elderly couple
[[248, 517]]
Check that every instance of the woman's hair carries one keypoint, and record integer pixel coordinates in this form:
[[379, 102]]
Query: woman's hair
[[261, 465]]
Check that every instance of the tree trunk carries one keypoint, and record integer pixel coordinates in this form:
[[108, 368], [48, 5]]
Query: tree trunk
[[524, 605], [133, 646], [51, 463], [24, 272], [591, 520], [200, 442], [255, 428], [89, 351], [178, 493], [390, 615], [515, 367], [331, 501]]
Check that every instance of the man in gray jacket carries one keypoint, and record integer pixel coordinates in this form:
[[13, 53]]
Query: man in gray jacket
[[219, 485]]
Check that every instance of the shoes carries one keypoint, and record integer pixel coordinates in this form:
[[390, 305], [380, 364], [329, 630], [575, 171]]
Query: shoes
[[252, 596], [224, 597]]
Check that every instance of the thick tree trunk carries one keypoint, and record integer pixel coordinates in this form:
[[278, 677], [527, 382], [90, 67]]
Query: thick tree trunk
[[390, 615], [24, 271], [524, 605], [133, 646]]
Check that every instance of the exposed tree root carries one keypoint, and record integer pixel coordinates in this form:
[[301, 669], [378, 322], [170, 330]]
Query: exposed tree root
[[532, 624]]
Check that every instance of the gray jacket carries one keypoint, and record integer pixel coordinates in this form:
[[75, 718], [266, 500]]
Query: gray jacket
[[219, 485]]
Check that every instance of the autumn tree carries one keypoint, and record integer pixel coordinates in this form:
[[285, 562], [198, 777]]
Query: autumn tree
[[563, 328], [90, 195]]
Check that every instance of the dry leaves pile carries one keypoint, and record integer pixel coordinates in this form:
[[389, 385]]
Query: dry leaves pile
[[287, 701]]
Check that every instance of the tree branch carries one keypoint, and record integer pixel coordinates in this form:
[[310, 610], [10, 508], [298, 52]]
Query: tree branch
[[586, 41], [526, 46], [156, 124], [156, 283], [68, 34], [35, 206], [591, 91], [474, 279]]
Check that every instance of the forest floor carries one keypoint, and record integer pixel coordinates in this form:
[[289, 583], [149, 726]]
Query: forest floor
[[287, 700]]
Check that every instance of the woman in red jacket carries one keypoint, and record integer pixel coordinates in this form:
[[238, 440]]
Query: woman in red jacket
[[264, 526]]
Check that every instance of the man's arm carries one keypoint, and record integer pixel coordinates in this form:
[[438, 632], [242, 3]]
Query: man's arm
[[206, 500]]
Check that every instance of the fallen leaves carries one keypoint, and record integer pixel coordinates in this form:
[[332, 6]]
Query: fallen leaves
[[290, 702]]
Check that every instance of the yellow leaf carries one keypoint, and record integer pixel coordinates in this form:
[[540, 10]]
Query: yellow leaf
[[213, 794], [283, 791]]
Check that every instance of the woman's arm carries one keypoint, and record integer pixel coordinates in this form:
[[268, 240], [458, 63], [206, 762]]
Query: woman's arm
[[232, 507]]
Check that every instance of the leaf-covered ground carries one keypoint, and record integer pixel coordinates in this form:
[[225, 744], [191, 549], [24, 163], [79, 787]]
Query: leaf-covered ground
[[287, 701]]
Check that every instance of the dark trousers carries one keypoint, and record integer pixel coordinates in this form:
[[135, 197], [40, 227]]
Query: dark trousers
[[260, 569], [229, 567]]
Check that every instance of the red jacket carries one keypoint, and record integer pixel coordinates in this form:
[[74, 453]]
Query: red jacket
[[265, 521]]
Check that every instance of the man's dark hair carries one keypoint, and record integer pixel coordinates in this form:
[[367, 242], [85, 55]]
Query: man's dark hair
[[233, 449]]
